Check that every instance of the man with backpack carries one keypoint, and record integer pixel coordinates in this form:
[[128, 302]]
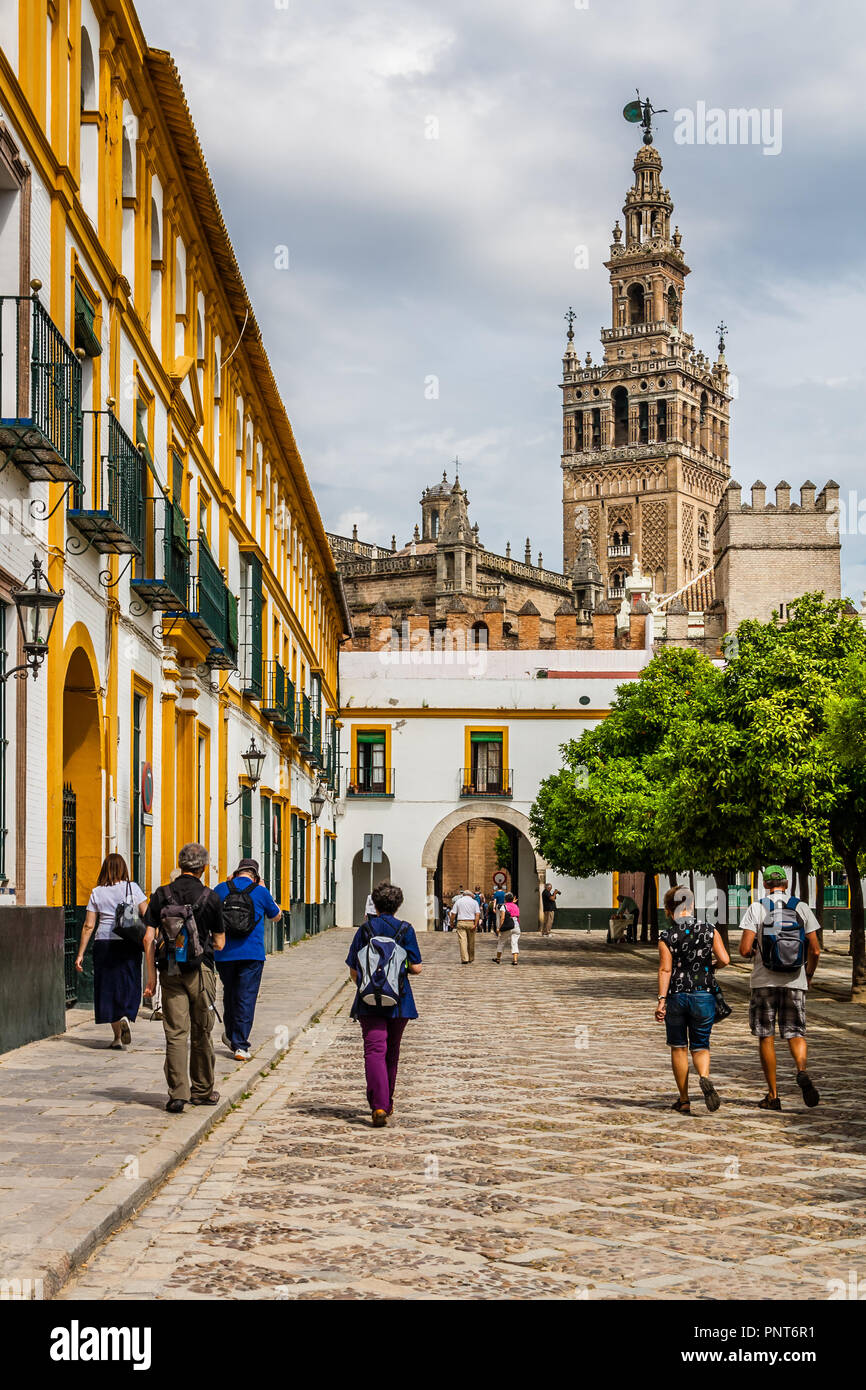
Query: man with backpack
[[245, 905], [780, 933], [187, 919]]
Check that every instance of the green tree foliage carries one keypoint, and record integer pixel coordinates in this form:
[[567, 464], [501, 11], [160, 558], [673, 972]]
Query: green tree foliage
[[502, 850]]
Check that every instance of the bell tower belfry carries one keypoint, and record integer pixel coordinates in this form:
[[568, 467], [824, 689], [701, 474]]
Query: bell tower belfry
[[645, 431]]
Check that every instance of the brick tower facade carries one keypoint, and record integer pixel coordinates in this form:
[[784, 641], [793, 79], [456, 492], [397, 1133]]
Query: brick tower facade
[[645, 434]]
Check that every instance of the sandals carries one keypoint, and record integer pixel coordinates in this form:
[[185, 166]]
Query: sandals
[[770, 1103], [684, 1107], [711, 1095], [807, 1086]]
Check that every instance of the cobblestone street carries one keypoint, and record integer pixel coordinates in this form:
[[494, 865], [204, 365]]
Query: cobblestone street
[[527, 1158]]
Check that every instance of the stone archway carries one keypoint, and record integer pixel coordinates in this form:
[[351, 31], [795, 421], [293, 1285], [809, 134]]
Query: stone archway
[[481, 810], [82, 768]]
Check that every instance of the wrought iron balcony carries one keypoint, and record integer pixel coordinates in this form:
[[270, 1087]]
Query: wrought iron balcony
[[40, 393], [210, 610], [161, 574], [498, 784], [303, 722], [278, 703], [113, 521], [371, 781], [316, 754]]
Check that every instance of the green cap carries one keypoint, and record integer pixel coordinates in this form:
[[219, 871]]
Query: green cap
[[774, 873]]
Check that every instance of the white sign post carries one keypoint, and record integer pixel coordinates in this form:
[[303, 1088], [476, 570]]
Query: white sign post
[[372, 853]]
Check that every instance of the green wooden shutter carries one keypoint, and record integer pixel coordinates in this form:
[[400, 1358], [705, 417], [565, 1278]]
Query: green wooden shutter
[[246, 823], [85, 333], [254, 601]]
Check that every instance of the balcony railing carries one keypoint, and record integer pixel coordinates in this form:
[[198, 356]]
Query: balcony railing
[[161, 575], [210, 609], [40, 393], [474, 783], [278, 702], [371, 781], [616, 592], [303, 721], [113, 520], [316, 753], [617, 550]]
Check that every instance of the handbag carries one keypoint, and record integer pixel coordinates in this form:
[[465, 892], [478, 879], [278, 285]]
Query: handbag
[[128, 925], [723, 1008]]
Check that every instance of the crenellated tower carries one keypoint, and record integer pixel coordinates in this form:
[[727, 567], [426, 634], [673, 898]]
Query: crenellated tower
[[645, 432]]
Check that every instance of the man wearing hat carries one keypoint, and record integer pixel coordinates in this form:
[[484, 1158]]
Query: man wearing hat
[[780, 995], [246, 903]]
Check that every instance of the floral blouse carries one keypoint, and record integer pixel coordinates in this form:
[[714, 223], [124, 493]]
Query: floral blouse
[[690, 943]]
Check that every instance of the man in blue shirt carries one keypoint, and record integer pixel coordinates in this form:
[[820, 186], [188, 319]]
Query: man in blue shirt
[[246, 904]]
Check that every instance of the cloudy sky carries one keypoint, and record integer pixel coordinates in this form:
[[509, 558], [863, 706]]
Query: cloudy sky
[[431, 170]]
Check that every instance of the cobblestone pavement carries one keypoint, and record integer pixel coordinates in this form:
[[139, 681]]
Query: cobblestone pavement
[[85, 1128], [532, 1155]]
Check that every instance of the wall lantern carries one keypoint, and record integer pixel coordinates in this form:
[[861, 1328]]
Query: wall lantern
[[36, 605], [253, 760]]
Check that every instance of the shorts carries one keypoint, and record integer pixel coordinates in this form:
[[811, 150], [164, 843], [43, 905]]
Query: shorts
[[788, 1006], [689, 1019]]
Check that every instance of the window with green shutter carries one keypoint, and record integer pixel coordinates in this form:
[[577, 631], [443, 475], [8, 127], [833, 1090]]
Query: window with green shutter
[[246, 823], [252, 601], [86, 338]]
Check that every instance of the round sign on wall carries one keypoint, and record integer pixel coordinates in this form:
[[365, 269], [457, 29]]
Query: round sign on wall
[[146, 788], [500, 878]]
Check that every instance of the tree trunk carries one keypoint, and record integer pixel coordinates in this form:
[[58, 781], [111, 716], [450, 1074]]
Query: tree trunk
[[819, 903], [692, 881], [858, 935], [720, 878], [654, 910], [644, 910], [672, 879]]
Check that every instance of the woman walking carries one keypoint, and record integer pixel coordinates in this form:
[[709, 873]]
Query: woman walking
[[510, 922], [382, 1025], [689, 951], [116, 962]]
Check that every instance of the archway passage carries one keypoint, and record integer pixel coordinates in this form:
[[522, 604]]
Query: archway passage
[[82, 832], [463, 847], [361, 883]]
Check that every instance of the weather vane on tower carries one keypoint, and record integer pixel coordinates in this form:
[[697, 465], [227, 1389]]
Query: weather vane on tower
[[643, 111], [570, 318]]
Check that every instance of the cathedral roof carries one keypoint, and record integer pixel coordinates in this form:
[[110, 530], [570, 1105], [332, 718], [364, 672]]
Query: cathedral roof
[[442, 489], [528, 610], [565, 610]]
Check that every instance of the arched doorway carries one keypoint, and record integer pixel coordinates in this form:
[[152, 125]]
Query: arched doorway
[[83, 841], [528, 870], [361, 883]]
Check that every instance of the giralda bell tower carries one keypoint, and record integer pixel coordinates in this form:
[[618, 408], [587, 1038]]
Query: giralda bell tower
[[645, 434]]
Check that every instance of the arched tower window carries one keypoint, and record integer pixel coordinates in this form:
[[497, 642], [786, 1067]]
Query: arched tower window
[[619, 396], [635, 297], [88, 74]]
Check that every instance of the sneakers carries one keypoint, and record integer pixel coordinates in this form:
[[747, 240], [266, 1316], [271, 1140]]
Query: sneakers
[[125, 1032], [711, 1095], [212, 1099], [807, 1086], [243, 1054]]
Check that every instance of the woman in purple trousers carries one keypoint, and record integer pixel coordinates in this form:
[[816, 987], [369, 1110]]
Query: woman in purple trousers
[[383, 1026]]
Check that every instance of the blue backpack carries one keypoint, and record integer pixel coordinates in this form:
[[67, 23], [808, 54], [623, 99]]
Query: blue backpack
[[783, 937], [381, 966]]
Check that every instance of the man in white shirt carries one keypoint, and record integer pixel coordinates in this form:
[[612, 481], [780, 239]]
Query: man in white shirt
[[779, 994], [466, 916]]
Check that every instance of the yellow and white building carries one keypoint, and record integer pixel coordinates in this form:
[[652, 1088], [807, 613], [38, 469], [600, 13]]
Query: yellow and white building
[[148, 462]]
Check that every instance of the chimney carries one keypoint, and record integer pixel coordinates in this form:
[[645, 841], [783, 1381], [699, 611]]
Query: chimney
[[759, 496], [783, 497], [807, 496], [528, 626], [565, 624]]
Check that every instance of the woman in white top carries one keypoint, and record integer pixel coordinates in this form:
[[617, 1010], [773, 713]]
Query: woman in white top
[[116, 962]]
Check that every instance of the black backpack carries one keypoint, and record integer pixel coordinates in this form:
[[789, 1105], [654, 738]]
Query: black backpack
[[239, 910], [179, 948]]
